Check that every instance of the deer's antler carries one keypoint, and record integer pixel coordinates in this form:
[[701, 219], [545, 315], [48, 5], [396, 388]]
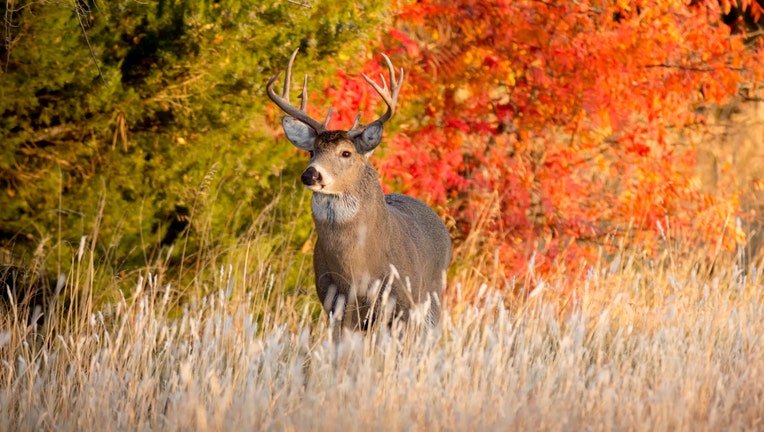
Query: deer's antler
[[286, 106], [390, 96]]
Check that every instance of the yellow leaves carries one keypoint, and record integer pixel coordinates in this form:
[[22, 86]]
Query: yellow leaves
[[628, 196], [500, 93], [511, 78], [307, 247], [600, 162], [605, 122], [695, 183], [623, 6], [738, 235], [462, 94]]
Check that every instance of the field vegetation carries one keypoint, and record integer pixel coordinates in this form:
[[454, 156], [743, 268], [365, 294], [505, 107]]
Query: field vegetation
[[632, 344], [598, 164]]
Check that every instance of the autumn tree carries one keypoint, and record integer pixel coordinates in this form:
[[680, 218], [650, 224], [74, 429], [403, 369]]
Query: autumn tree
[[559, 128], [545, 131]]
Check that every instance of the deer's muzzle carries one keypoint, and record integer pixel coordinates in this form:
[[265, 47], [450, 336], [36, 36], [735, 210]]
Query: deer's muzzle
[[311, 176]]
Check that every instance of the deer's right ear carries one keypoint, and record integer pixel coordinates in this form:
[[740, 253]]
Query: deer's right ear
[[298, 133]]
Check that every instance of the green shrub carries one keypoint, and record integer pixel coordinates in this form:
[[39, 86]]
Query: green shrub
[[162, 139]]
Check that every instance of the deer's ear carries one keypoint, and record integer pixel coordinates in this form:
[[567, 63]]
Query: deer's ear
[[369, 139], [298, 133]]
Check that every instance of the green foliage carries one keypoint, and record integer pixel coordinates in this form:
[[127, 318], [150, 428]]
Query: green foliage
[[174, 144]]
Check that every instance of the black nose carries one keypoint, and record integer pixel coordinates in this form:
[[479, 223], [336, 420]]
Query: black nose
[[311, 176]]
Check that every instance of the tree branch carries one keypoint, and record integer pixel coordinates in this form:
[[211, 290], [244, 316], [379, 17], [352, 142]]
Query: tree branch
[[298, 3], [687, 68], [79, 10]]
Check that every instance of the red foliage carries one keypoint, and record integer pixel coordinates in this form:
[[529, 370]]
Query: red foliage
[[562, 123]]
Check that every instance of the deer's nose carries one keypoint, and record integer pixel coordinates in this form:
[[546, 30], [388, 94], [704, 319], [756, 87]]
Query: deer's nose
[[311, 176]]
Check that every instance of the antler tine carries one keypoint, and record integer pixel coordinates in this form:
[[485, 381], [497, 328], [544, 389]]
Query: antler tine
[[395, 86], [283, 101], [390, 96], [390, 70], [357, 122], [328, 116], [288, 77]]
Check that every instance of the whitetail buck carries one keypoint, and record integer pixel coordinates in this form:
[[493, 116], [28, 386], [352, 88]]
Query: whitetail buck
[[377, 256]]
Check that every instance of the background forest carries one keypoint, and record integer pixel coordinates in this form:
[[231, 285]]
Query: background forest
[[149, 121], [558, 131], [599, 164]]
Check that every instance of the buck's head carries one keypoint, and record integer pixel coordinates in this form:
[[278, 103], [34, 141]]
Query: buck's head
[[338, 159]]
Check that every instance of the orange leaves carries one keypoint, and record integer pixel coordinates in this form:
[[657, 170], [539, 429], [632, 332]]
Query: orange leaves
[[568, 114], [752, 7], [756, 10], [727, 5]]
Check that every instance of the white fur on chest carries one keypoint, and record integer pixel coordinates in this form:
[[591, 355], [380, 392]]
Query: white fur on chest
[[334, 208]]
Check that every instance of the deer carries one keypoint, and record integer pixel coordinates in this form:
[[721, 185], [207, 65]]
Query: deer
[[377, 257]]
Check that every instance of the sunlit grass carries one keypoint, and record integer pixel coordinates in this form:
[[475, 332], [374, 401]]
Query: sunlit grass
[[633, 345]]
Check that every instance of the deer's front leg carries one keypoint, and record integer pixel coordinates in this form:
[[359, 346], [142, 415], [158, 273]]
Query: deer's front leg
[[334, 303]]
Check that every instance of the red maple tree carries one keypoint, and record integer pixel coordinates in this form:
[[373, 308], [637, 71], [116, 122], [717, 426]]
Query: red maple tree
[[559, 128]]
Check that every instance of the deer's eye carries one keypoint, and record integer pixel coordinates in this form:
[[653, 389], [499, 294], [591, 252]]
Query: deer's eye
[[311, 153], [346, 154]]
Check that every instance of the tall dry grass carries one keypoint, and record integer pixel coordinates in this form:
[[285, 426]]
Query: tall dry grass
[[634, 345]]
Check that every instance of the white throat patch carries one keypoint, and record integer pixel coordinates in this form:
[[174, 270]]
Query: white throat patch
[[334, 208]]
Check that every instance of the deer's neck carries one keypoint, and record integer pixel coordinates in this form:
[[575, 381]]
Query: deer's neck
[[335, 209], [363, 203]]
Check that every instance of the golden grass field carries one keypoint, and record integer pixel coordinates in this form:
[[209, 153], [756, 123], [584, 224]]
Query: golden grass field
[[635, 345]]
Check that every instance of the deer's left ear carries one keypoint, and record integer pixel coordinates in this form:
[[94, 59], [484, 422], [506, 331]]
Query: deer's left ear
[[369, 138]]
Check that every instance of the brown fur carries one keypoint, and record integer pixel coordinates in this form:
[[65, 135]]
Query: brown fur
[[353, 257]]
